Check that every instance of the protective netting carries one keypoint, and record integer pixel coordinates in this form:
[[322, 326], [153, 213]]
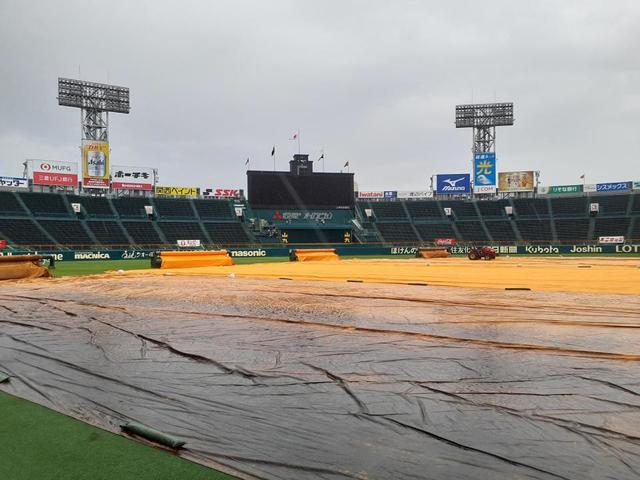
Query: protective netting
[[306, 380]]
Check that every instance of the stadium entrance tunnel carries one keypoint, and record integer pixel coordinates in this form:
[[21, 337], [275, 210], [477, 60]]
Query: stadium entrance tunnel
[[334, 380], [190, 259], [16, 267]]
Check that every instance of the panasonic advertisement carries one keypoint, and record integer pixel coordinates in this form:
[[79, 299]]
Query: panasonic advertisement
[[453, 184]]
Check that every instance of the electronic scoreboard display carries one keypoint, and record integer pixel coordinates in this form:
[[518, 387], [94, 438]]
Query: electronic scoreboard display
[[286, 190]]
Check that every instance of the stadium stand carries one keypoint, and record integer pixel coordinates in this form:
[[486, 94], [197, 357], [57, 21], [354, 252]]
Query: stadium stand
[[471, 231], [174, 231], [635, 231], [571, 230], [635, 203], [531, 207], [397, 232], [108, 232], [501, 231], [493, 208], [46, 204], [214, 209], [226, 232], [67, 232], [611, 226], [461, 209], [23, 232], [389, 210], [142, 233], [93, 206], [430, 231], [535, 230], [612, 204], [9, 205], [131, 207], [174, 208], [424, 210], [569, 206]]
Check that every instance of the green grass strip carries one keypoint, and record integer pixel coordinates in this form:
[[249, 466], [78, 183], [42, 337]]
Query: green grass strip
[[38, 443]]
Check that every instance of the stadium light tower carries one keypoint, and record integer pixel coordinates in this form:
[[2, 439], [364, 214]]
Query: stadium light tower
[[484, 118], [95, 100]]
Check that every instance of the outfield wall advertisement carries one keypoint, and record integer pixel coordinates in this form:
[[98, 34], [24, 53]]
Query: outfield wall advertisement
[[364, 250]]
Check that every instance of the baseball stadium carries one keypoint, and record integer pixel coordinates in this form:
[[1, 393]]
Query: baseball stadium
[[298, 327]]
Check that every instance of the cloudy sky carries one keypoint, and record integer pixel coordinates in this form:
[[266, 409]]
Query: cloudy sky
[[374, 83]]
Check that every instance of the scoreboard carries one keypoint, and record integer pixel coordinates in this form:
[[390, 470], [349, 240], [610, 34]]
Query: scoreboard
[[268, 189]]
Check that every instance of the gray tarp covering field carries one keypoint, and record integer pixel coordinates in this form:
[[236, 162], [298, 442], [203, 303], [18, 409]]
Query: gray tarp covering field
[[280, 379]]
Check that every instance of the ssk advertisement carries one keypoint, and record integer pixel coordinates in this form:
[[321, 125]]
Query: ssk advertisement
[[95, 164]]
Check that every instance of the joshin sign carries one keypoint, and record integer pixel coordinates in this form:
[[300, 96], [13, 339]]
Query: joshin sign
[[95, 164]]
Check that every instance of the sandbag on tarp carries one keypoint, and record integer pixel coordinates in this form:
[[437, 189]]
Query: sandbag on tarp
[[313, 254], [188, 259], [13, 267], [432, 252]]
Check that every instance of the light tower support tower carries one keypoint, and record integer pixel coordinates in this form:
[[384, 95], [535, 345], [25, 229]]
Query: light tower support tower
[[95, 100], [484, 118]]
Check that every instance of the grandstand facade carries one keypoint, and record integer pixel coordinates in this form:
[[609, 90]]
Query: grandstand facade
[[48, 220]]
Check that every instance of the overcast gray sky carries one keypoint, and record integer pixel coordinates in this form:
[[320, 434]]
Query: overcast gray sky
[[373, 83]]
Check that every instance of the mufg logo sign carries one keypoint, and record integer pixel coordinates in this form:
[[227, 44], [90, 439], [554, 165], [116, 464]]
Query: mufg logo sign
[[453, 183]]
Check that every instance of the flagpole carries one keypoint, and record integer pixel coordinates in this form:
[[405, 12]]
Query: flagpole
[[298, 141]]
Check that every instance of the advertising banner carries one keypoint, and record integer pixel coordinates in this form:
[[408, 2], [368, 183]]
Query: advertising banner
[[223, 192], [188, 243], [370, 194], [132, 178], [516, 181], [177, 191], [445, 242], [390, 194], [95, 164], [613, 187], [589, 187], [611, 239], [415, 194], [559, 189], [47, 172], [451, 184], [484, 172], [636, 185], [14, 182]]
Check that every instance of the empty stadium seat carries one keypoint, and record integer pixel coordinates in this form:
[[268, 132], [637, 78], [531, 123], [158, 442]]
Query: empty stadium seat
[[493, 208], [501, 231], [611, 226], [142, 233], [67, 232], [535, 230], [9, 205], [108, 232], [395, 232], [226, 233], [45, 204], [611, 204], [472, 231], [424, 209], [635, 231], [430, 231], [93, 206], [388, 210], [23, 232], [635, 203], [569, 206], [131, 207], [214, 209], [531, 207], [174, 208], [461, 209], [174, 231], [572, 230]]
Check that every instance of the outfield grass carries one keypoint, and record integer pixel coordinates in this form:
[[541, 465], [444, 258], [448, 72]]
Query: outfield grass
[[38, 443]]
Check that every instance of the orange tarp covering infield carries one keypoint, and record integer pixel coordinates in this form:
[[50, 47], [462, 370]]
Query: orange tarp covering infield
[[315, 254], [205, 258], [603, 275], [16, 267], [433, 253]]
